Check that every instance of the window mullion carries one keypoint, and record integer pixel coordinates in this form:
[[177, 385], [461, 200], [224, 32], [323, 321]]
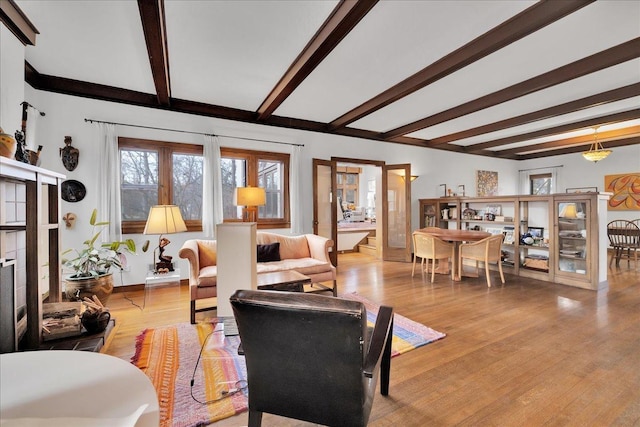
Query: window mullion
[[165, 178]]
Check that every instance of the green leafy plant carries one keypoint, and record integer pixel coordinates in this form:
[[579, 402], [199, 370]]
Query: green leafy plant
[[93, 260]]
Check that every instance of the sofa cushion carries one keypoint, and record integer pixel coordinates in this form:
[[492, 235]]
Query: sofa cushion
[[269, 252], [304, 266], [290, 246], [208, 276], [207, 251]]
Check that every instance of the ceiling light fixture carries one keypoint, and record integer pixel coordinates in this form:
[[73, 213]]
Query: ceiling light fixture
[[596, 152]]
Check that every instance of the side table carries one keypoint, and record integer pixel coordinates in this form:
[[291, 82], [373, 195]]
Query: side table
[[154, 279]]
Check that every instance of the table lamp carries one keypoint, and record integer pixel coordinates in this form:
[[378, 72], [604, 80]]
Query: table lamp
[[569, 211], [164, 219], [250, 198]]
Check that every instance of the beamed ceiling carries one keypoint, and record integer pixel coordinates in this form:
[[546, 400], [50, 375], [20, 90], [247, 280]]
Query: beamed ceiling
[[506, 79]]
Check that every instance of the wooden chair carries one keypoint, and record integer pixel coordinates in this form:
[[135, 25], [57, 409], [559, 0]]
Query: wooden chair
[[624, 237], [312, 357], [487, 250], [429, 247]]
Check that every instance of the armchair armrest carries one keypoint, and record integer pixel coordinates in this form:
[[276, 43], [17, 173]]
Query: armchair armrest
[[319, 247], [190, 252], [380, 340]]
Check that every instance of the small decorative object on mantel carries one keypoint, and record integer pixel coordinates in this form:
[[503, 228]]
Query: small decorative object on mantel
[[70, 155], [34, 156], [21, 151], [7, 145]]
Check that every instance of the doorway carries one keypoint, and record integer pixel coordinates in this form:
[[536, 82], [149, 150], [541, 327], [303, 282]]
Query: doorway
[[392, 205]]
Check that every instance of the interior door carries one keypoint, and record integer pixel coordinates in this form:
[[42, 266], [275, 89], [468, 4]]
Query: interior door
[[396, 209], [325, 221]]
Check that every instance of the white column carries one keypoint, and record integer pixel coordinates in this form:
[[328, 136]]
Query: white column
[[237, 261]]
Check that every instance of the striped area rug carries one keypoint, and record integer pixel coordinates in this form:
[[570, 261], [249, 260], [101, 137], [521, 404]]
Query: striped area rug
[[407, 334], [168, 357]]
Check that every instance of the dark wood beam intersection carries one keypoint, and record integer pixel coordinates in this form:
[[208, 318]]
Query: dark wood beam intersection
[[570, 150], [342, 20], [530, 20], [155, 35]]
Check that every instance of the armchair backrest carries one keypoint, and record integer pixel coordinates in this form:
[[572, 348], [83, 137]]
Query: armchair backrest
[[305, 355], [429, 246]]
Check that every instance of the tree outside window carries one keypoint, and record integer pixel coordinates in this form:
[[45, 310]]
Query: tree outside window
[[540, 183]]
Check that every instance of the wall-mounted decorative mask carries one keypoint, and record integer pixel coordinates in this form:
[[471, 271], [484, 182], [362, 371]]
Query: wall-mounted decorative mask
[[70, 155], [69, 219]]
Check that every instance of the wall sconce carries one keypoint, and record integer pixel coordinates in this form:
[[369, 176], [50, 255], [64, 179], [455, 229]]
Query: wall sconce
[[413, 177], [250, 198]]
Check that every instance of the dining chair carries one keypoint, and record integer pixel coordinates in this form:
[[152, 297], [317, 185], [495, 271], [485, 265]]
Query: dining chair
[[487, 250], [312, 357], [428, 247], [624, 238]]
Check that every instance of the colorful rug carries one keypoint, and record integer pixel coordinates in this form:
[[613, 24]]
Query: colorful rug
[[407, 334], [168, 356]]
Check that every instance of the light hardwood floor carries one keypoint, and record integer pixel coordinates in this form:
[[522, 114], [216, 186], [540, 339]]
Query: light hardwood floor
[[526, 353]]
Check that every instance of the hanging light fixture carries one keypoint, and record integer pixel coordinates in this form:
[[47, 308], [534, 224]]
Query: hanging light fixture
[[596, 152]]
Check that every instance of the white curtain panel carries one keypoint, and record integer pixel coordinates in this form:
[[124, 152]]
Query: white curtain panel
[[212, 213], [33, 116], [294, 189], [109, 181]]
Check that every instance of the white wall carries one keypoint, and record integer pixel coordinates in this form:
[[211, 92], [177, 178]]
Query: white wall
[[11, 81], [65, 116]]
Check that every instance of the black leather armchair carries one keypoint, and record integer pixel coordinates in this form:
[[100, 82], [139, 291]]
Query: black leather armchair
[[312, 357]]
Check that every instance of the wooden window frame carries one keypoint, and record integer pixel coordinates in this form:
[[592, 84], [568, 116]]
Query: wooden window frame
[[540, 176], [165, 174], [252, 157]]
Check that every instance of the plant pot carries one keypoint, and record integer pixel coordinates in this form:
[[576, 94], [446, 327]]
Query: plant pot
[[95, 323], [78, 288]]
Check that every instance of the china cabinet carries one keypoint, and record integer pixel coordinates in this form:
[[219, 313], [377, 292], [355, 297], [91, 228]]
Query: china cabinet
[[559, 238]]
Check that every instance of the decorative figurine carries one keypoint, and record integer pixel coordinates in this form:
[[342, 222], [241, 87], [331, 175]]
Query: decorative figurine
[[69, 219], [7, 145], [69, 154], [164, 263], [21, 152]]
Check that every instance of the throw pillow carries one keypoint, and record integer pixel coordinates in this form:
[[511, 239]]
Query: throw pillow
[[268, 253]]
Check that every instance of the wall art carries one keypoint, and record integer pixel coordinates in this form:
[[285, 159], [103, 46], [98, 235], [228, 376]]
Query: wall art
[[626, 191], [486, 183]]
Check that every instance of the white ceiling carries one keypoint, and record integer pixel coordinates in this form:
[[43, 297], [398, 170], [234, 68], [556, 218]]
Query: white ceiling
[[232, 54]]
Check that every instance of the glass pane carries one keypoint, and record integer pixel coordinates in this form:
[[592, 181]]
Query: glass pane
[[187, 185], [138, 183], [350, 197], [352, 179], [270, 177], [339, 178], [234, 172], [396, 216], [541, 186]]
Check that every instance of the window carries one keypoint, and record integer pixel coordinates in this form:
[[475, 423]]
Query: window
[[347, 179], [156, 172], [540, 184], [241, 168]]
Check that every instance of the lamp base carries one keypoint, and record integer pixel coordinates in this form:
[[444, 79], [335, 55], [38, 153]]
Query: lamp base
[[164, 266]]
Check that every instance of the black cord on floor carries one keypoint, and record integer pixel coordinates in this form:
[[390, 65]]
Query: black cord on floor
[[238, 387], [124, 294]]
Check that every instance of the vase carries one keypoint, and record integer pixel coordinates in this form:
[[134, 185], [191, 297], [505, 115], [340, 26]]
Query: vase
[[7, 145], [78, 288]]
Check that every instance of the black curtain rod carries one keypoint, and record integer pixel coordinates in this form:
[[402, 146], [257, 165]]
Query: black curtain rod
[[192, 132], [546, 167]]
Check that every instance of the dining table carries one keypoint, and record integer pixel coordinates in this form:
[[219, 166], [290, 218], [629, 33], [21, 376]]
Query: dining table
[[456, 237]]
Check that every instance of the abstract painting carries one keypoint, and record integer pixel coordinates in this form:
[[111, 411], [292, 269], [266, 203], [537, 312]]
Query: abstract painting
[[486, 183], [626, 191]]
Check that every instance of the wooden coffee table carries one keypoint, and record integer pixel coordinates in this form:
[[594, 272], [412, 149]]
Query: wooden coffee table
[[288, 280]]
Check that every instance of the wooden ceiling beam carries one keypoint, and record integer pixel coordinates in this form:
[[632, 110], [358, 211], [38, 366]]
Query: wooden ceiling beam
[[567, 127], [17, 22], [613, 95], [613, 56], [342, 20], [584, 140], [155, 35], [634, 140], [521, 25]]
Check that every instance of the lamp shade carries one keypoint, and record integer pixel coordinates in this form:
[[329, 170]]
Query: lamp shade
[[249, 196], [569, 211], [164, 219]]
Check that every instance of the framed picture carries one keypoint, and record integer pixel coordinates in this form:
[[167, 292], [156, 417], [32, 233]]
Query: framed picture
[[582, 190], [536, 232], [486, 183], [494, 209], [509, 238], [624, 188]]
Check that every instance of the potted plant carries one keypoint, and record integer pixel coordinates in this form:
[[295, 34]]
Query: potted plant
[[92, 265]]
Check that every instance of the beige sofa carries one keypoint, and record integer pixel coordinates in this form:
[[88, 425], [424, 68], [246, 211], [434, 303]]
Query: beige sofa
[[307, 254]]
